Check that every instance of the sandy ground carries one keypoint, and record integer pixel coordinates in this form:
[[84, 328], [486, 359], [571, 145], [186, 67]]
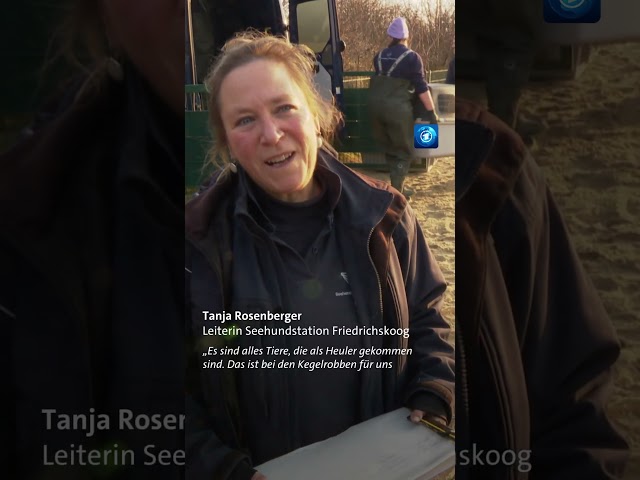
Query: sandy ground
[[590, 155]]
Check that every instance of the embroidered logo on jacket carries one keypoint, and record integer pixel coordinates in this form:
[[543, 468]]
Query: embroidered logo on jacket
[[346, 279]]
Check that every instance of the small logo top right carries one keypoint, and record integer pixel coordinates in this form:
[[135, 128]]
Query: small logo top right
[[571, 11]]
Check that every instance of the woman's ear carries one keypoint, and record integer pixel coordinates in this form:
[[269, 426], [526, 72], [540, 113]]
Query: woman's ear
[[232, 156]]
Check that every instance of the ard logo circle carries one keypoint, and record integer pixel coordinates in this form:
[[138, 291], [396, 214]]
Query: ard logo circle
[[571, 9], [571, 4], [426, 136]]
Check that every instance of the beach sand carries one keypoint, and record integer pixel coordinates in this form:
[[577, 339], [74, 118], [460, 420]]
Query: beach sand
[[590, 155]]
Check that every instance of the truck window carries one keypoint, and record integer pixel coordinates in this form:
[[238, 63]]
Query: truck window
[[313, 24]]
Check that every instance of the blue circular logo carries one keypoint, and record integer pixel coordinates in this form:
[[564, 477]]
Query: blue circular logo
[[426, 136], [571, 9]]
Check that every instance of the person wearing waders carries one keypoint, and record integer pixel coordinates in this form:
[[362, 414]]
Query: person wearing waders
[[398, 81], [504, 36]]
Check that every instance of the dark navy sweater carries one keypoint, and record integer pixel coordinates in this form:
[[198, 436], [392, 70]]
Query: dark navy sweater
[[410, 67]]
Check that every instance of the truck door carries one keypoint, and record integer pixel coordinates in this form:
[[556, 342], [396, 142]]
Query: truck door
[[210, 23], [315, 23]]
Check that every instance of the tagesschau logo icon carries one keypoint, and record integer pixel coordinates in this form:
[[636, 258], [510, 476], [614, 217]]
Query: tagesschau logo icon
[[425, 136], [571, 11]]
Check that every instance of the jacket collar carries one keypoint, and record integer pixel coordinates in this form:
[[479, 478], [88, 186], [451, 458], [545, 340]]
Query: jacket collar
[[470, 153], [38, 170], [489, 158], [55, 190], [364, 201]]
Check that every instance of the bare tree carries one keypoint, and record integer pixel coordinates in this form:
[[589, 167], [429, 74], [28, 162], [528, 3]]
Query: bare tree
[[363, 25]]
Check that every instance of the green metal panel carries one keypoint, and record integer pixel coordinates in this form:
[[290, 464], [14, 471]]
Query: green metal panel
[[197, 143], [357, 134]]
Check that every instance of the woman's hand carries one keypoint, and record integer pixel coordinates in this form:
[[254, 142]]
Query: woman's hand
[[416, 416], [258, 476]]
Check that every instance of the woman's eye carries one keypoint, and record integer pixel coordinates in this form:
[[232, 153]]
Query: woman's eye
[[285, 108], [244, 121]]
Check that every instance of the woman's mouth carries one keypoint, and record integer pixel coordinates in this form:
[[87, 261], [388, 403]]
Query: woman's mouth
[[280, 161]]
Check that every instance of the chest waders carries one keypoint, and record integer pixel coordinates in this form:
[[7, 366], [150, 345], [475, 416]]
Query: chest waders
[[391, 111], [506, 38]]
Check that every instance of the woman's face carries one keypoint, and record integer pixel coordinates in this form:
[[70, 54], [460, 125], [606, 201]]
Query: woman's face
[[151, 35], [270, 129]]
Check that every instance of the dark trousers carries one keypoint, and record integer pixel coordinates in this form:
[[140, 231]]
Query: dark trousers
[[505, 35], [506, 73], [391, 113]]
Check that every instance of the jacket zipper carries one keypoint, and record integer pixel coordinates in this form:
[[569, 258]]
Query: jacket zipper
[[499, 375], [464, 387], [376, 271], [505, 411], [394, 297], [379, 281]]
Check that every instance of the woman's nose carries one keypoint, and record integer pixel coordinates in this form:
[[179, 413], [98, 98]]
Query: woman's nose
[[271, 132]]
